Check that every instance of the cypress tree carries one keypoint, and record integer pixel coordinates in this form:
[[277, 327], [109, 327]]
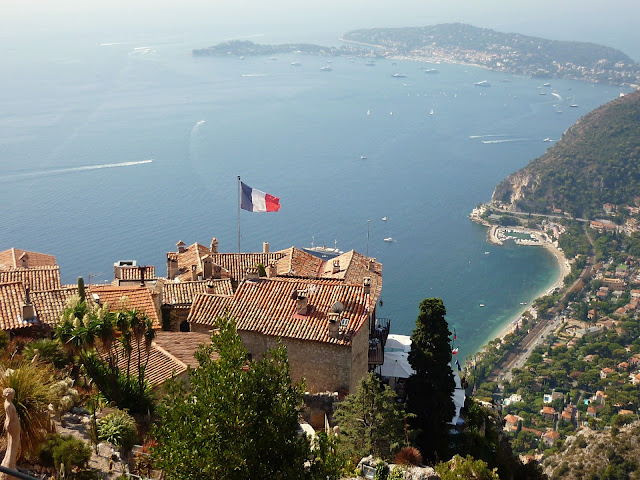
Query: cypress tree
[[430, 388]]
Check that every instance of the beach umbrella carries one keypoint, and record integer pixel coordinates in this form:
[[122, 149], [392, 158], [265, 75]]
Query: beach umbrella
[[396, 364]]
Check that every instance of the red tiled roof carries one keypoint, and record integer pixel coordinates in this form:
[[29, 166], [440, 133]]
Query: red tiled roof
[[133, 273], [266, 306], [49, 304], [552, 434], [512, 419], [11, 258], [36, 278], [236, 264], [12, 298], [548, 410], [298, 263], [139, 298], [170, 355], [182, 293]]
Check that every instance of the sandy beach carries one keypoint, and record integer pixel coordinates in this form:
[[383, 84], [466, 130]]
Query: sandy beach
[[565, 269]]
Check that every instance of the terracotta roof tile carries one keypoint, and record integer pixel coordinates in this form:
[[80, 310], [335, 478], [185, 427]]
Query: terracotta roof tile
[[12, 298], [266, 306], [298, 263], [137, 297], [36, 278], [11, 258], [182, 293], [235, 264], [49, 304], [170, 355], [133, 273]]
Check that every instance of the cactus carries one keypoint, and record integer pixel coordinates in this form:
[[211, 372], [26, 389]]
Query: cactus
[[81, 288]]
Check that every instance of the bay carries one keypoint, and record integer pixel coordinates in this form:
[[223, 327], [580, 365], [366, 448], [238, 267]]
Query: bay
[[71, 117]]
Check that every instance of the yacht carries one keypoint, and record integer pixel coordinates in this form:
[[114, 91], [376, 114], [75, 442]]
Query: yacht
[[296, 64], [431, 112], [388, 239], [326, 69], [363, 157], [324, 251], [399, 75], [431, 70], [384, 219], [482, 83]]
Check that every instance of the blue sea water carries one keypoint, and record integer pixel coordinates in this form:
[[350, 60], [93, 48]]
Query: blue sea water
[[295, 132]]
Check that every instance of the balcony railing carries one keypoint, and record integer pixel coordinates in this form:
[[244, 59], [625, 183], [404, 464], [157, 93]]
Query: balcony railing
[[377, 340]]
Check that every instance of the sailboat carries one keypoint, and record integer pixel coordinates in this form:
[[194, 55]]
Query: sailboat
[[431, 112], [573, 103]]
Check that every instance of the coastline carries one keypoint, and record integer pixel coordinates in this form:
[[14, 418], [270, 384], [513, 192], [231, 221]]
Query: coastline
[[495, 236]]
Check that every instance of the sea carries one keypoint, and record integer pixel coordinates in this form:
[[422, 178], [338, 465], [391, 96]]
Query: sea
[[115, 148]]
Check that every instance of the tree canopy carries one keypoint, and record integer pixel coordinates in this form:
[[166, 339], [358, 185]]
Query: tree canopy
[[429, 390], [238, 421], [370, 420]]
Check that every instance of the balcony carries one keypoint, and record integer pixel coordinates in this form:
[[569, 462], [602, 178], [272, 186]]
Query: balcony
[[377, 340]]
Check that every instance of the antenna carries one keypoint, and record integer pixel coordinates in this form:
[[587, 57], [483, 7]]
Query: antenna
[[368, 231], [92, 275]]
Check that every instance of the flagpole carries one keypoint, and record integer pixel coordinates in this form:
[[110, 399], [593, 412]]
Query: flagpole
[[239, 201]]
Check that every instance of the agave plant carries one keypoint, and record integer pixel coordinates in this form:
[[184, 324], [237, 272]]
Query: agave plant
[[32, 383]]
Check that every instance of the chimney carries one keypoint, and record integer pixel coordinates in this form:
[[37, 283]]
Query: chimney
[[180, 246], [194, 275], [334, 325], [24, 260], [217, 271], [302, 302], [271, 269], [28, 312], [211, 287], [141, 271], [366, 283], [265, 247], [251, 273], [207, 267], [172, 268], [214, 245], [372, 264], [336, 266]]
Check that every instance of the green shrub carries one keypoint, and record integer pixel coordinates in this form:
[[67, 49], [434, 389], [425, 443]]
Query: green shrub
[[119, 429], [49, 351], [382, 471], [65, 450]]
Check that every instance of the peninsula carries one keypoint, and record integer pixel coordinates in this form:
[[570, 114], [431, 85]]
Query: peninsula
[[465, 44]]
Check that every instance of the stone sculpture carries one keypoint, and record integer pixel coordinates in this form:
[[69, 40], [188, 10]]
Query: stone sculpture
[[12, 427]]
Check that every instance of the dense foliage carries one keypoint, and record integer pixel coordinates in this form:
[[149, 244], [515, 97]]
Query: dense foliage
[[597, 161], [370, 420], [58, 450], [238, 421], [429, 390]]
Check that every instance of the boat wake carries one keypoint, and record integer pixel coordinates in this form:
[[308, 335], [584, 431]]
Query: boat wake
[[505, 140], [195, 128], [58, 171], [493, 135]]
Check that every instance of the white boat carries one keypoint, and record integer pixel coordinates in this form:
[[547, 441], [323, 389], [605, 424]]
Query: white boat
[[546, 84], [296, 64], [388, 239], [363, 157], [368, 112], [482, 304], [324, 251], [326, 69], [431, 70], [431, 112], [384, 219], [547, 139], [399, 75], [486, 253], [482, 83]]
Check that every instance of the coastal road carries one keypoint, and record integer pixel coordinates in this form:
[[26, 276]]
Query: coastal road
[[518, 357]]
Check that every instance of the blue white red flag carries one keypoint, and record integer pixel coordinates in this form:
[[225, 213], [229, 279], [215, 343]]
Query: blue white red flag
[[459, 367], [454, 351], [254, 200]]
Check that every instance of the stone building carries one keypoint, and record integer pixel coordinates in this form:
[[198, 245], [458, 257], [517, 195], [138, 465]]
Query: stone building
[[326, 325]]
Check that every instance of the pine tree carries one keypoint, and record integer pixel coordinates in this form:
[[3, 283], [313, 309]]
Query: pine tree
[[430, 388], [370, 420]]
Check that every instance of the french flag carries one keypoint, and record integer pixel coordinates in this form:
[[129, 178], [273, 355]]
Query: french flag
[[256, 201]]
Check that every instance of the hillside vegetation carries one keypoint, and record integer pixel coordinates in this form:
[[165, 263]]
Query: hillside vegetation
[[596, 161]]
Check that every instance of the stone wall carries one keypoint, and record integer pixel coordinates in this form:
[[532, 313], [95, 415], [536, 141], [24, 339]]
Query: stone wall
[[325, 367], [172, 317]]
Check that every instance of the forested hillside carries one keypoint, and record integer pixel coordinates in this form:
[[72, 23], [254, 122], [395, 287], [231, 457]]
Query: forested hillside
[[596, 161]]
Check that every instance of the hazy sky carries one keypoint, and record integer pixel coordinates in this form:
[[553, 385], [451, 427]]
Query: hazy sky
[[613, 23]]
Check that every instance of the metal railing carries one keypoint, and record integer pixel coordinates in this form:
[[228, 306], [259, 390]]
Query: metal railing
[[17, 474]]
